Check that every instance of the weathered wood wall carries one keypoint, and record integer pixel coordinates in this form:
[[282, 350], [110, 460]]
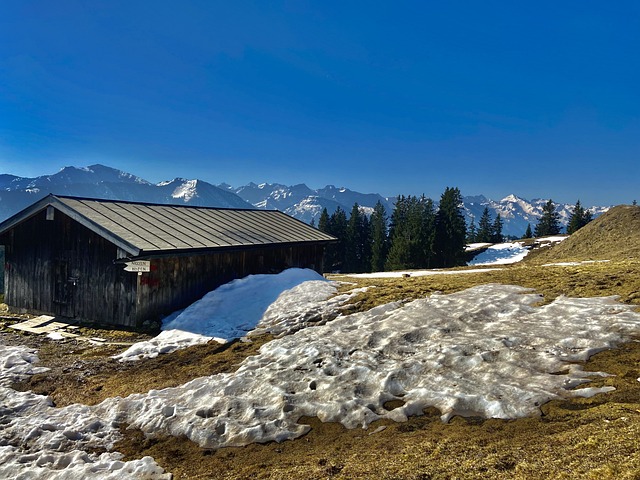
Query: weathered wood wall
[[60, 267]]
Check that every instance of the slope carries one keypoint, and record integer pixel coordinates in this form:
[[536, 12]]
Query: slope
[[613, 236]]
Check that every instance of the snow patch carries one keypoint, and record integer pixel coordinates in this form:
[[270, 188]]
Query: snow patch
[[501, 254]]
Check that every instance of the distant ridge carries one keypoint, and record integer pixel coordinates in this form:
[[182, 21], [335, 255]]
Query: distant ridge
[[101, 182], [615, 235], [299, 201]]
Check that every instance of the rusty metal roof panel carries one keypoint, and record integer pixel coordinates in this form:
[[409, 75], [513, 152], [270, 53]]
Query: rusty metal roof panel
[[152, 228]]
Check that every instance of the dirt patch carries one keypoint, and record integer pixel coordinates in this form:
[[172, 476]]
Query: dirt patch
[[81, 372]]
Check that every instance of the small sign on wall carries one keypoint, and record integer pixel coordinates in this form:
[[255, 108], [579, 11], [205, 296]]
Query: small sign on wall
[[138, 266]]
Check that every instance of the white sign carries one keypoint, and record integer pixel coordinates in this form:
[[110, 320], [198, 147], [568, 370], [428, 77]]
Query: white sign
[[138, 266]]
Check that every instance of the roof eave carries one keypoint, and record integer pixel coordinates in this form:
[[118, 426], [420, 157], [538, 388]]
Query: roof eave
[[52, 200], [148, 254]]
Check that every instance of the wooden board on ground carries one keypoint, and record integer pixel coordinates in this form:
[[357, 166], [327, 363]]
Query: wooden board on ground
[[39, 325]]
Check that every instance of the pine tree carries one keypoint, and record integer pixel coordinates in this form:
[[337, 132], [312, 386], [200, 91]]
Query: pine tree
[[634, 203], [485, 227], [579, 218], [379, 240], [399, 236], [427, 232], [528, 233], [411, 233], [357, 245], [450, 230], [471, 232], [549, 223], [323, 221], [496, 230], [338, 228]]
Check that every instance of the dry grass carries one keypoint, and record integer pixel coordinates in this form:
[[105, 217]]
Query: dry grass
[[614, 235]]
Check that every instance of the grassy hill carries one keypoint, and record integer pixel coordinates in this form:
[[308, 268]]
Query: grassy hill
[[613, 236]]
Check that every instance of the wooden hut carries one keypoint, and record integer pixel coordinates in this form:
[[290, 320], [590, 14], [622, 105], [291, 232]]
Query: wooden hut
[[122, 263]]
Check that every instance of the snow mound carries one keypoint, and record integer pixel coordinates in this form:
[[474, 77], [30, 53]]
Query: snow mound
[[233, 309]]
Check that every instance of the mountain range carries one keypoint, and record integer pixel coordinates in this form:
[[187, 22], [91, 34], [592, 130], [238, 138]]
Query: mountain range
[[299, 201]]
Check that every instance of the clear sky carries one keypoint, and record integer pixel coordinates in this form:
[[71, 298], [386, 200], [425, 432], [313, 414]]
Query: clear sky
[[540, 99]]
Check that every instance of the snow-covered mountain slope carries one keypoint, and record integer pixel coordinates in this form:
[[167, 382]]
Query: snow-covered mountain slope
[[299, 201], [517, 212], [99, 181], [307, 204]]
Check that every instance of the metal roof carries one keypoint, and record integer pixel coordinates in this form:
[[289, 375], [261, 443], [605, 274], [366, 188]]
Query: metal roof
[[147, 229]]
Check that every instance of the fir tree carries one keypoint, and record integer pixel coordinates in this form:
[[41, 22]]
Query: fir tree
[[471, 232], [484, 227], [411, 233], [323, 221], [549, 223], [338, 228], [496, 230], [379, 240], [579, 218], [357, 245], [528, 233], [399, 236], [450, 230]]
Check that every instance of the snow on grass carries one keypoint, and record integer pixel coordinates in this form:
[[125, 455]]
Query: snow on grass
[[484, 351], [416, 273], [39, 441], [573, 264], [476, 246], [166, 342], [501, 254]]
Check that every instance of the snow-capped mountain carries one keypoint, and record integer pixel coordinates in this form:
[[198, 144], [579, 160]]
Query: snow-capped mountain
[[299, 201], [307, 204], [99, 181], [517, 212]]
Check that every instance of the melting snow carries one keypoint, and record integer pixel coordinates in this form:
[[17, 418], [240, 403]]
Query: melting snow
[[417, 273], [484, 351], [501, 254]]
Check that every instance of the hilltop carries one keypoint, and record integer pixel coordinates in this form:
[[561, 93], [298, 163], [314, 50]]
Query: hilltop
[[615, 235]]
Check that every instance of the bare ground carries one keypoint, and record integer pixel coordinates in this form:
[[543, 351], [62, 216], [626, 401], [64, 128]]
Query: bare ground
[[578, 438]]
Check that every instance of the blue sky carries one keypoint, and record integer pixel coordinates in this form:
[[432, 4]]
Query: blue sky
[[540, 99]]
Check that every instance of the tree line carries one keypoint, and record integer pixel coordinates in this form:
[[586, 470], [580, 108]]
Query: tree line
[[417, 235]]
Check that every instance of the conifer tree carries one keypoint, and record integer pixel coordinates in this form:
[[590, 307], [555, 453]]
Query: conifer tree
[[411, 233], [338, 228], [579, 218], [379, 240], [471, 232], [450, 230], [323, 221], [496, 230], [427, 232], [528, 233], [485, 227], [357, 245], [549, 223], [399, 236]]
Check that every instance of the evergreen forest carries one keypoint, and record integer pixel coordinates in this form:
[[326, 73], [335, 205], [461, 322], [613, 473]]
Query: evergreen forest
[[415, 235]]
